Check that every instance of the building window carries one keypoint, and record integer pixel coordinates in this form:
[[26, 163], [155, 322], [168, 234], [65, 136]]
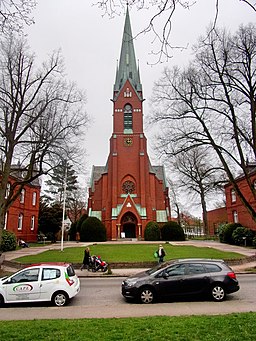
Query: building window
[[235, 216], [7, 192], [233, 195], [127, 93], [128, 117], [32, 223], [34, 199], [5, 220], [22, 196], [20, 221], [128, 187]]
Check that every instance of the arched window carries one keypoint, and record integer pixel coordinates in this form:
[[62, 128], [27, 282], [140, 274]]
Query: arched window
[[22, 196], [233, 195], [128, 117], [5, 220], [32, 223], [128, 187], [20, 221], [8, 188], [34, 199], [235, 216]]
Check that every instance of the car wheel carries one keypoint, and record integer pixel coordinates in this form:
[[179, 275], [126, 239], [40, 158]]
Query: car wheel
[[60, 299], [218, 293], [1, 301], [147, 295]]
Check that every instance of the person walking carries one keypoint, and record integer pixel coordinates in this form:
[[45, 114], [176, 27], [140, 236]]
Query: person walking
[[161, 254], [86, 260]]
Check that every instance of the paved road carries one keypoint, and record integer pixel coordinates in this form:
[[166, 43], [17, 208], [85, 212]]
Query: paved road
[[101, 298]]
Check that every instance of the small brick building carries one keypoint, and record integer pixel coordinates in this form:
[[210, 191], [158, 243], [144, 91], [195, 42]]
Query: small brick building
[[22, 216], [235, 211], [128, 191], [215, 218]]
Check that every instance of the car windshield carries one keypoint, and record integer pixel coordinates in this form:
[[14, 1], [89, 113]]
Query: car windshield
[[158, 267]]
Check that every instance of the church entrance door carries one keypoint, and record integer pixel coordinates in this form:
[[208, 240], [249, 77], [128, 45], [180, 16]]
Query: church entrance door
[[129, 223], [129, 230]]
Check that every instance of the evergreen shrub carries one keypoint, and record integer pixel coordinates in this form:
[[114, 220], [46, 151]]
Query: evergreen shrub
[[9, 241], [172, 231], [226, 231], [152, 231], [92, 230], [243, 236]]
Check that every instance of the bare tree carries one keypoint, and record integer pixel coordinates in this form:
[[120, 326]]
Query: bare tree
[[175, 201], [213, 103], [77, 204], [161, 22], [199, 176], [41, 117], [15, 13]]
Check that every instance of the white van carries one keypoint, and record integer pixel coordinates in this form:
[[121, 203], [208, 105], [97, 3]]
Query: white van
[[55, 282]]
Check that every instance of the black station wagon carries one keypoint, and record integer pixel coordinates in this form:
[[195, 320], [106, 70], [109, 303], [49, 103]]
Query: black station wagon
[[182, 277]]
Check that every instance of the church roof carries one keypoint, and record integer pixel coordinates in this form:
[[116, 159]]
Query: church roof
[[127, 69], [160, 173], [97, 172]]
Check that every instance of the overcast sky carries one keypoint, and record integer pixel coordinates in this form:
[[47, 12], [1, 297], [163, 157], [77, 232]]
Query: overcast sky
[[91, 46]]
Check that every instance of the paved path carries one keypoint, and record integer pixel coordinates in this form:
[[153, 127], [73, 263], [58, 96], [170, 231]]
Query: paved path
[[127, 272]]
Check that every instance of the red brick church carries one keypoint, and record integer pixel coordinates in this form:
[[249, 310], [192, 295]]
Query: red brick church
[[128, 192]]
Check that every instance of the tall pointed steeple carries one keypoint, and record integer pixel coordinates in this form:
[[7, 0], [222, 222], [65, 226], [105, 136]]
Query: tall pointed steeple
[[128, 192], [127, 69]]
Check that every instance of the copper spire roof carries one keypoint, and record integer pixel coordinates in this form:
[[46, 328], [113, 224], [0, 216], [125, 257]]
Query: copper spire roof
[[127, 69]]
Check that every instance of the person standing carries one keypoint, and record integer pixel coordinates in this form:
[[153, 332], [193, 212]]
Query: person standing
[[86, 260], [161, 254]]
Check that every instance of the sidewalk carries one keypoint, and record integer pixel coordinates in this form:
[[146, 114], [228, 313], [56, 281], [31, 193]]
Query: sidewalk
[[124, 272]]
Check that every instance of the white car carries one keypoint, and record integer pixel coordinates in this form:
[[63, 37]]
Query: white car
[[55, 282]]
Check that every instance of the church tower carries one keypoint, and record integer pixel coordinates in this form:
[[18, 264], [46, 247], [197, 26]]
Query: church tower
[[128, 192]]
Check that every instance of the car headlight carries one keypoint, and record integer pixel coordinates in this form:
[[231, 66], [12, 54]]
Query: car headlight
[[131, 283]]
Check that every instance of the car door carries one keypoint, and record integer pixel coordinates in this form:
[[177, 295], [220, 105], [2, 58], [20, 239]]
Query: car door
[[196, 280], [51, 282], [170, 281], [23, 286]]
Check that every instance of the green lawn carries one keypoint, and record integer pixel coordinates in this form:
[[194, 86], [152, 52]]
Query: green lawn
[[233, 327], [127, 253]]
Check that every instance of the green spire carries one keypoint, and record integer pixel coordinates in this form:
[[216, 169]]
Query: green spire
[[127, 65]]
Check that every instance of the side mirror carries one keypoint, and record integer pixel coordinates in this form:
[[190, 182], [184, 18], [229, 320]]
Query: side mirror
[[8, 281]]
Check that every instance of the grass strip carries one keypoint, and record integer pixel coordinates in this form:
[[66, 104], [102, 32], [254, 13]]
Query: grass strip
[[128, 253], [233, 327]]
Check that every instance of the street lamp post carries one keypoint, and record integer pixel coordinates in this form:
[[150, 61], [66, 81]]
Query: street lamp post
[[63, 211]]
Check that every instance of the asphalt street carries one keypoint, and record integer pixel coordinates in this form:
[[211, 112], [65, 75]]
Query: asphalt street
[[118, 308]]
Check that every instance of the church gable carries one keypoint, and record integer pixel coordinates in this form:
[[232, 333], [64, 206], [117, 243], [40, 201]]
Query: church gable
[[128, 206]]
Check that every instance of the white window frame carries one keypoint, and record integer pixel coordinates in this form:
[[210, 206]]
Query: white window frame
[[20, 221], [235, 216], [7, 191], [32, 225], [233, 195], [34, 198], [22, 196], [5, 220]]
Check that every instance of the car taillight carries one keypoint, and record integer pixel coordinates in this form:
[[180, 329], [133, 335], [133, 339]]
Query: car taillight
[[69, 280], [231, 275]]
